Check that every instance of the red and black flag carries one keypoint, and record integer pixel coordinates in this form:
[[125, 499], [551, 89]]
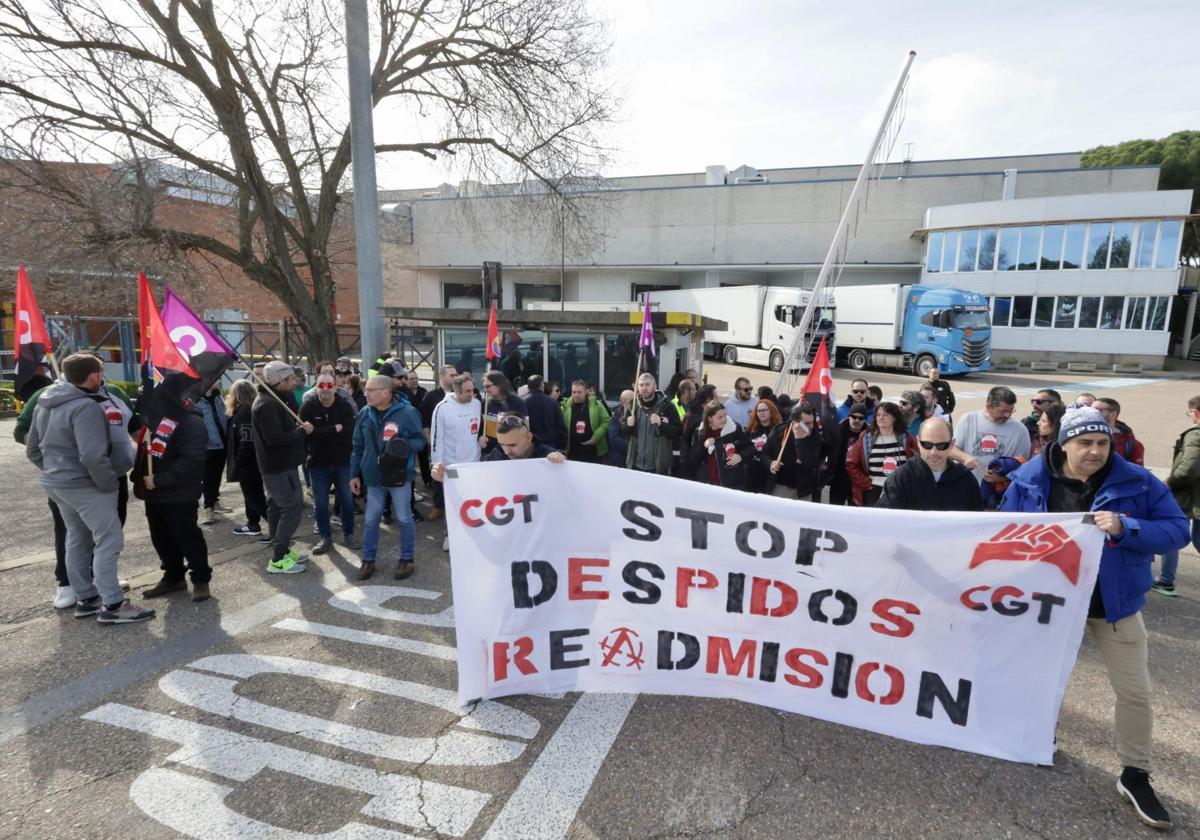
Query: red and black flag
[[818, 391], [167, 376], [206, 352], [32, 342]]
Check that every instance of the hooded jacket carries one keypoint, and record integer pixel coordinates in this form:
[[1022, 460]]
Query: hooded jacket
[[79, 439], [1154, 524]]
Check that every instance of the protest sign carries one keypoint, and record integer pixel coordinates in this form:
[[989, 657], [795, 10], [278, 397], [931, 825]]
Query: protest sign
[[940, 628]]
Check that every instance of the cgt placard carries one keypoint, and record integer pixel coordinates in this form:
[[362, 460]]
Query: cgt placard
[[952, 629]]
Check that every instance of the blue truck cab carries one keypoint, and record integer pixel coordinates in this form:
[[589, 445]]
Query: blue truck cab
[[947, 326]]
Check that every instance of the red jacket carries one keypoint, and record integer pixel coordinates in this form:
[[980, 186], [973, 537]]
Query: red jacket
[[859, 459], [1127, 446]]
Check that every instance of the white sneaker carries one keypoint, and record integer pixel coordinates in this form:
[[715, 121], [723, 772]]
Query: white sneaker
[[445, 543], [64, 597], [209, 517]]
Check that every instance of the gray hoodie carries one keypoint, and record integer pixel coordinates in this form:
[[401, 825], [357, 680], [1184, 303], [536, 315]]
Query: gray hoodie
[[79, 439]]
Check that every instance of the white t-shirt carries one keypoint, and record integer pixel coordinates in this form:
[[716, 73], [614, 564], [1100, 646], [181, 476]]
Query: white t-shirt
[[454, 431], [984, 439]]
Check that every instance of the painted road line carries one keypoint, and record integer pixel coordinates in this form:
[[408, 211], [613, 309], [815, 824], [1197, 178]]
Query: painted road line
[[545, 803], [369, 601], [366, 637], [395, 797]]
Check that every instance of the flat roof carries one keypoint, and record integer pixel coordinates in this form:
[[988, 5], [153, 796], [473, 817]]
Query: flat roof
[[540, 318]]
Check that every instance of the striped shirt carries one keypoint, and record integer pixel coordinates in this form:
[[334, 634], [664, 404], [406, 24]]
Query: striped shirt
[[887, 456]]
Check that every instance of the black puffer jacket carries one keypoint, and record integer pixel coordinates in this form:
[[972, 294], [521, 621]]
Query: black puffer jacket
[[241, 464], [278, 438], [179, 471], [800, 466], [912, 488]]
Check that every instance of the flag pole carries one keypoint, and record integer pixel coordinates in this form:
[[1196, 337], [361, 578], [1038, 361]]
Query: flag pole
[[149, 456], [783, 444], [271, 391]]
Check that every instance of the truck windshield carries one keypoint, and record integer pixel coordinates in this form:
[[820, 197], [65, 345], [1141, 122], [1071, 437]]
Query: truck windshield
[[977, 320]]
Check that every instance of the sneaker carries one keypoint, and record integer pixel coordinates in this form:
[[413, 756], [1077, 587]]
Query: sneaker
[[127, 613], [322, 547], [200, 592], [266, 538], [247, 531], [297, 558], [366, 570], [1134, 785], [88, 606], [64, 597], [334, 519], [351, 542], [164, 587], [404, 569], [285, 565], [124, 584], [209, 517], [316, 529], [1167, 589], [220, 508], [445, 543]]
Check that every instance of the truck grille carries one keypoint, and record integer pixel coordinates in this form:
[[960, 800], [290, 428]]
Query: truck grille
[[975, 352]]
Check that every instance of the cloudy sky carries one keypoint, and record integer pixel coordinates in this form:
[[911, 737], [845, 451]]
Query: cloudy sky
[[777, 83]]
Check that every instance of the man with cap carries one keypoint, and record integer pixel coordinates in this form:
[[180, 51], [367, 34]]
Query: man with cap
[[1140, 518], [933, 481], [279, 444]]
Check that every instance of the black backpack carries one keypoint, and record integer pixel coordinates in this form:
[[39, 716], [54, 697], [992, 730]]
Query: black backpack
[[393, 462]]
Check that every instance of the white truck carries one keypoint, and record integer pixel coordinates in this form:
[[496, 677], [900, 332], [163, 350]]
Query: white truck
[[762, 321]]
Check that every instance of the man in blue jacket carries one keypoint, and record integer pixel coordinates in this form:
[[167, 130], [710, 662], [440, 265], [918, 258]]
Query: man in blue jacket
[[1079, 473], [384, 417]]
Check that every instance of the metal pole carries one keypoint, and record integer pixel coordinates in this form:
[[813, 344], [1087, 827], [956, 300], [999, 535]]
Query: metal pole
[[366, 202], [562, 259]]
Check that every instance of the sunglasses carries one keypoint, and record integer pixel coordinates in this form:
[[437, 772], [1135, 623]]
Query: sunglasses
[[1036, 401], [904, 402], [511, 421], [743, 390], [326, 386], [940, 447], [341, 372], [857, 417], [858, 390]]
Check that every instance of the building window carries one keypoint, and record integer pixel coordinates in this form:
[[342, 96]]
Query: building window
[[465, 349], [1010, 239], [1001, 310], [950, 251], [1097, 247], [1043, 312], [933, 253], [1052, 245], [1022, 310], [1167, 253], [1122, 245], [987, 249], [1064, 313], [1031, 241], [1158, 318], [1089, 312], [968, 250], [1076, 240], [573, 356], [1135, 313], [1147, 233], [620, 363], [1110, 313]]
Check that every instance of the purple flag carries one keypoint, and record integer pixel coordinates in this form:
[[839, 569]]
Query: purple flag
[[646, 339], [206, 351]]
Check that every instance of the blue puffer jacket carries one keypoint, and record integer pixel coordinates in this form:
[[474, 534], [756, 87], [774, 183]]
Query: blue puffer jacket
[[1154, 524], [368, 439], [214, 420]]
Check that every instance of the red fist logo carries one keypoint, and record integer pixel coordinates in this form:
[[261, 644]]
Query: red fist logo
[[1032, 543]]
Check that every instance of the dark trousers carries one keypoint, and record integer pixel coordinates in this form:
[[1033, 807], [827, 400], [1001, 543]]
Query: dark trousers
[[839, 489], [423, 463], [439, 495], [214, 474], [60, 531], [256, 500], [177, 538]]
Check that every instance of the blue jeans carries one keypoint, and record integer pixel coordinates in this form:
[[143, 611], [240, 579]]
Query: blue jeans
[[339, 478], [401, 510], [1170, 560]]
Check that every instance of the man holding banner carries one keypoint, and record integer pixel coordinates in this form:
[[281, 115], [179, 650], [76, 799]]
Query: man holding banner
[[1140, 518]]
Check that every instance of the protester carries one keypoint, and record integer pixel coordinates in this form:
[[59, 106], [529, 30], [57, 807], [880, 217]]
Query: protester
[[1125, 443], [455, 436], [766, 392], [1184, 481], [212, 412], [795, 457], [859, 395], [446, 375], [279, 445], [692, 376], [685, 393], [241, 463], [500, 398], [932, 481], [554, 390], [515, 442], [1139, 517], [1047, 427], [878, 452], [672, 389], [381, 463], [739, 404], [1044, 397], [416, 396], [721, 450], [875, 395], [763, 419], [849, 430], [912, 406], [173, 477], [299, 384], [992, 433], [1084, 400], [932, 407], [941, 388], [545, 415], [332, 417], [651, 428], [354, 382], [618, 444], [78, 439], [586, 420], [322, 367]]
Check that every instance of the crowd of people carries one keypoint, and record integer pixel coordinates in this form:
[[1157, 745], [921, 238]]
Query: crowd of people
[[360, 444]]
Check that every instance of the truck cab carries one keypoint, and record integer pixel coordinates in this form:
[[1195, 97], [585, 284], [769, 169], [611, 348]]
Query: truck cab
[[947, 327]]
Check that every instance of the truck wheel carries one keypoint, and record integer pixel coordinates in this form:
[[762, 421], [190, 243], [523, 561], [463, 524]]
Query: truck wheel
[[729, 355], [776, 360], [923, 365], [858, 359]]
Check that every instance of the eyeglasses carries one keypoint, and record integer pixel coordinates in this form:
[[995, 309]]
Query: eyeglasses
[[326, 386], [763, 410], [511, 421], [940, 447], [857, 417]]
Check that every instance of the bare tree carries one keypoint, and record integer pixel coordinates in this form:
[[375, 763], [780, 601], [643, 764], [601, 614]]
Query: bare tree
[[249, 100]]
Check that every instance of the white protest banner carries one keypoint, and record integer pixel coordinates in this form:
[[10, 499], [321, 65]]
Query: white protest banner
[[952, 629]]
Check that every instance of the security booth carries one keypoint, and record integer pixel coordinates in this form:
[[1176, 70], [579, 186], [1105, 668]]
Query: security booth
[[561, 344]]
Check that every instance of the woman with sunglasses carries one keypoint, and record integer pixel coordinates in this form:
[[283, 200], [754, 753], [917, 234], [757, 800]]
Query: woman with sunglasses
[[879, 452], [721, 450]]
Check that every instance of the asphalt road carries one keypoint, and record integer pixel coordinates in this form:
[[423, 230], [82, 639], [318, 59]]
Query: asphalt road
[[301, 706]]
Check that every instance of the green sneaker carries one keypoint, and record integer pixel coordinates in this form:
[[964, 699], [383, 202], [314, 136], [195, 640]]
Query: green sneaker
[[1167, 589], [285, 565], [298, 558]]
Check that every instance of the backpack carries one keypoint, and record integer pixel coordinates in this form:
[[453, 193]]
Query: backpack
[[393, 462]]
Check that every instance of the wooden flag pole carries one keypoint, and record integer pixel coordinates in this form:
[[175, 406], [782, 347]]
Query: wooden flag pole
[[783, 444], [636, 377], [54, 364], [278, 398], [149, 456]]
